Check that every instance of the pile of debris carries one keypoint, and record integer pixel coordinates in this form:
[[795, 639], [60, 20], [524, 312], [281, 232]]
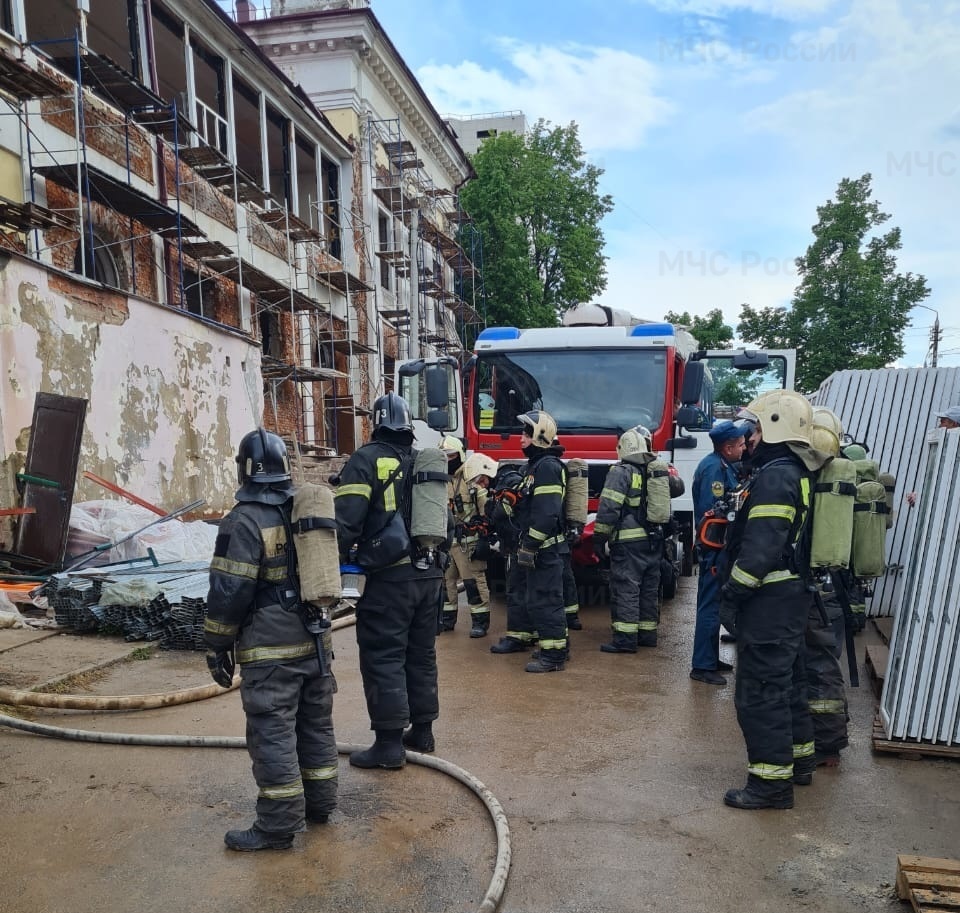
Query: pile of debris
[[165, 603]]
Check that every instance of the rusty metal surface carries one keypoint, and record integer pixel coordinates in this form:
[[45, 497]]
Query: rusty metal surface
[[611, 774]]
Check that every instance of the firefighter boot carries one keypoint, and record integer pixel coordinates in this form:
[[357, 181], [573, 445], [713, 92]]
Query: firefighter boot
[[419, 737], [647, 639], [254, 839], [803, 769], [480, 622], [386, 751], [547, 661], [448, 620], [621, 643], [760, 793], [509, 645], [573, 621]]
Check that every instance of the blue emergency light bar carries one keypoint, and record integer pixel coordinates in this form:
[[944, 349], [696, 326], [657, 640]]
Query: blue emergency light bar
[[494, 334], [652, 329]]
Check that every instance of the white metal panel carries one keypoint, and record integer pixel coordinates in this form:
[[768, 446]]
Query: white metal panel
[[921, 692], [890, 410]]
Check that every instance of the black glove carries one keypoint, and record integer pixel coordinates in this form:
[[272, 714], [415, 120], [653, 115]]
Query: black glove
[[600, 547], [221, 665], [732, 596], [527, 555], [481, 551]]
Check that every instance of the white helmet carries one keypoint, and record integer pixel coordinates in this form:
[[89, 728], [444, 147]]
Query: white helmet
[[451, 446], [479, 464], [785, 416], [543, 429], [824, 418], [633, 443]]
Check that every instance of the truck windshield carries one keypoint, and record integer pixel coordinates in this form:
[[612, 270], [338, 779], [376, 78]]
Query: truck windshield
[[593, 391]]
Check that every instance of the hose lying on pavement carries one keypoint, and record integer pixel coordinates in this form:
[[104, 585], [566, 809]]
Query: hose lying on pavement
[[498, 881]]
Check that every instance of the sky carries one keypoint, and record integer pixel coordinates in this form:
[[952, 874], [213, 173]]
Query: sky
[[721, 125]]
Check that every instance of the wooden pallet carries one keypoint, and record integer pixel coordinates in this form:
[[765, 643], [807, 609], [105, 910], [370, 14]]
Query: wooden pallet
[[884, 627], [909, 748], [931, 885], [876, 659]]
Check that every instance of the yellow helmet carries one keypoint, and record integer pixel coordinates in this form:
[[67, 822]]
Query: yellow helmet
[[824, 418], [633, 443], [784, 416], [824, 440], [543, 429], [479, 464], [451, 446]]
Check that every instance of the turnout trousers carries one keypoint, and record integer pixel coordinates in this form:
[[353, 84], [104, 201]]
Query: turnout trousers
[[771, 689], [473, 575], [290, 741], [396, 637], [519, 624], [706, 632], [634, 586], [543, 591], [825, 691]]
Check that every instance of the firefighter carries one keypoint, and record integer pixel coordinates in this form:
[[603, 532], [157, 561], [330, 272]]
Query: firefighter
[[824, 637], [714, 479], [766, 602], [253, 606], [635, 546], [397, 613], [453, 448], [536, 578], [472, 542]]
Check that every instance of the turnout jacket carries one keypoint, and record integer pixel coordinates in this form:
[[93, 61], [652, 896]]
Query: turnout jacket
[[767, 529], [253, 599], [539, 512], [467, 502], [620, 513]]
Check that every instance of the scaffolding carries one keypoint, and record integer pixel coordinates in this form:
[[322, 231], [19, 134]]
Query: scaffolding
[[313, 275], [420, 250]]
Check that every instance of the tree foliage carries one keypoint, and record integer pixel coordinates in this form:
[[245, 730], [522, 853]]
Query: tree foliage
[[536, 203], [709, 330], [851, 306]]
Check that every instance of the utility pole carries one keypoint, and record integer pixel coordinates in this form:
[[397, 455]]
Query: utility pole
[[934, 340]]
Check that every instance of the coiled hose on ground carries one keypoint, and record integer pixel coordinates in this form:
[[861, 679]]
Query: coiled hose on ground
[[498, 881]]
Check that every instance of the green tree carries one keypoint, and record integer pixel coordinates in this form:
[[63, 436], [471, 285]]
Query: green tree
[[536, 203], [851, 306], [709, 330]]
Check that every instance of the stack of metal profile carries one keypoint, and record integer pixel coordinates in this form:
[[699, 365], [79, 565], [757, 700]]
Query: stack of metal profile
[[72, 599]]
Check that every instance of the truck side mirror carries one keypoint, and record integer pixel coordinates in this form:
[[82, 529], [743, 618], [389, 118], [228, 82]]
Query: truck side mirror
[[436, 378], [689, 417], [693, 375], [439, 420]]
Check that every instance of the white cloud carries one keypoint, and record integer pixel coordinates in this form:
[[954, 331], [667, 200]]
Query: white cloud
[[780, 9], [611, 94]]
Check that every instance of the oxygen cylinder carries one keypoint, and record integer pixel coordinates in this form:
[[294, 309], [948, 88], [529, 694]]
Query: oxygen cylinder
[[869, 521], [315, 541], [575, 498], [834, 494], [889, 483], [428, 500], [658, 492]]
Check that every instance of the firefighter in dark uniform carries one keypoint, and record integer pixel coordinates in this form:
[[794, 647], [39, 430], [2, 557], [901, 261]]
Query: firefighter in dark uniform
[[635, 548], [766, 602], [714, 479], [397, 613], [535, 606], [254, 606]]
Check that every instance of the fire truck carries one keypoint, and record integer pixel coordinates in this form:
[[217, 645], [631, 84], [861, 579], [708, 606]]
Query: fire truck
[[601, 373]]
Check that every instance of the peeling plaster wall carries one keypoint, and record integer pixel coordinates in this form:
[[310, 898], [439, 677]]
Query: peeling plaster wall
[[169, 396]]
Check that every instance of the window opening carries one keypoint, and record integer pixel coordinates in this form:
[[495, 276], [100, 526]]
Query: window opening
[[278, 151], [210, 85], [331, 205], [246, 115], [96, 262], [168, 52], [307, 181]]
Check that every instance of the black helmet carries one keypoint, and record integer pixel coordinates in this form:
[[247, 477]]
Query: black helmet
[[262, 462], [391, 412]]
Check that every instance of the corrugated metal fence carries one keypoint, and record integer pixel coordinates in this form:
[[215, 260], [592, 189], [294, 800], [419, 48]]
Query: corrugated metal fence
[[891, 410], [894, 413], [921, 689]]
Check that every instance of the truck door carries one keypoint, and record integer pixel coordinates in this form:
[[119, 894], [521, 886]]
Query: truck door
[[433, 390]]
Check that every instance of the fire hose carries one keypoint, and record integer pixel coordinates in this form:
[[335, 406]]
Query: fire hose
[[498, 881]]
